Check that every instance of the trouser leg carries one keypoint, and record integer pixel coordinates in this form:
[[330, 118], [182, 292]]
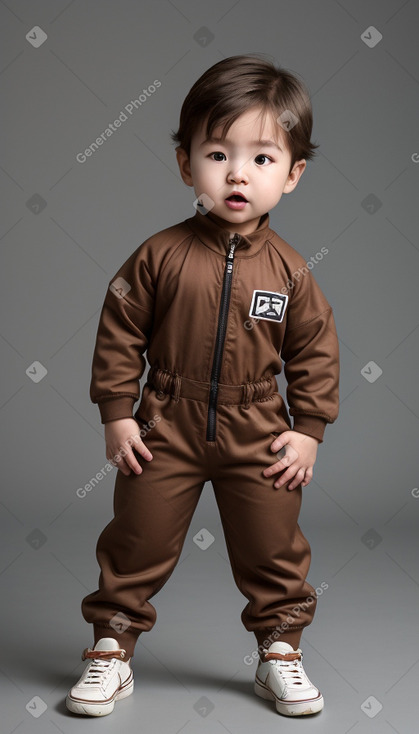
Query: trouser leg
[[138, 550], [269, 555]]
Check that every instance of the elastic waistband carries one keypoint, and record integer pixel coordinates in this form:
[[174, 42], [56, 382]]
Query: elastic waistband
[[166, 382]]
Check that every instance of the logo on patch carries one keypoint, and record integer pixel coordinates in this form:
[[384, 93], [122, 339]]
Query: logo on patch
[[268, 305]]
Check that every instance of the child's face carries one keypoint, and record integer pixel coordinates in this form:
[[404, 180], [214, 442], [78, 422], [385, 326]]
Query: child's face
[[260, 172]]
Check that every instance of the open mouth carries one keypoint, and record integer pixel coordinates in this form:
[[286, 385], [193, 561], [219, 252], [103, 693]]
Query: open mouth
[[236, 202], [236, 197]]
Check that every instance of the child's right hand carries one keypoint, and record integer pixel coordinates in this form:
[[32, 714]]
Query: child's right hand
[[121, 436]]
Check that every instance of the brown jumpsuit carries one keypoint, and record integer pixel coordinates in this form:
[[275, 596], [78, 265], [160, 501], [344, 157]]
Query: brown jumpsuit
[[218, 314]]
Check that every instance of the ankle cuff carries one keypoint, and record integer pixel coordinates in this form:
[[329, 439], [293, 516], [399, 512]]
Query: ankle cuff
[[126, 640], [267, 635]]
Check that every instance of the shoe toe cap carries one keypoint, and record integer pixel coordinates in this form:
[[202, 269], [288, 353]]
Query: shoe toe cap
[[92, 694], [306, 694]]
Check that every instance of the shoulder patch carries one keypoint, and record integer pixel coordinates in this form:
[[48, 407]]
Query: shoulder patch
[[268, 305]]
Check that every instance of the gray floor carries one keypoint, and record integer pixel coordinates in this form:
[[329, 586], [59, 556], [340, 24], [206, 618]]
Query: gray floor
[[361, 650]]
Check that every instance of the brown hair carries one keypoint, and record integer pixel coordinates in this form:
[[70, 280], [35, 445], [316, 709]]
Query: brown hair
[[233, 86]]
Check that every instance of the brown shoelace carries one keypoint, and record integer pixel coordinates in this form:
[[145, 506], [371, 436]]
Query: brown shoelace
[[103, 654], [281, 656]]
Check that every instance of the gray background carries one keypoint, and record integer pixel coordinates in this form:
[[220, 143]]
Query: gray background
[[359, 199]]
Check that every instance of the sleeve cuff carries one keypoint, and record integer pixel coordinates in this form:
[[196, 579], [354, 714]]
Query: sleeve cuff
[[115, 408], [311, 425]]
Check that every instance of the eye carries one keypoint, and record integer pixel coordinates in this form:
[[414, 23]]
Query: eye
[[217, 153], [265, 158]]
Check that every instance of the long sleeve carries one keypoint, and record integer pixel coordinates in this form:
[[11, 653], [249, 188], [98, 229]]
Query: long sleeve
[[122, 337], [311, 354]]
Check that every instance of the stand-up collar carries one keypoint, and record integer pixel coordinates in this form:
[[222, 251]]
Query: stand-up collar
[[216, 237]]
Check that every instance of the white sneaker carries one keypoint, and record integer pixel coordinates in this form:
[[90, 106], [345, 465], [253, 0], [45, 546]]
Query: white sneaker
[[281, 678], [105, 680]]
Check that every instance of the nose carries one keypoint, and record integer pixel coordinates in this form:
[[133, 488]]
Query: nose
[[239, 175]]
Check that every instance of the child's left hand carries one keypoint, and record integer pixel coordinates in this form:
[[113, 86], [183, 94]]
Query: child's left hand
[[300, 456]]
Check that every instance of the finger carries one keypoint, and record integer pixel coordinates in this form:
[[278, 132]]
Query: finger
[[110, 460], [280, 441], [142, 449], [132, 463], [298, 479], [118, 460], [138, 451], [308, 477], [277, 467], [286, 477], [290, 452], [282, 464], [287, 455]]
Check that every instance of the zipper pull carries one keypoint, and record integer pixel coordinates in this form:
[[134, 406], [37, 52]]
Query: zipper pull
[[233, 242]]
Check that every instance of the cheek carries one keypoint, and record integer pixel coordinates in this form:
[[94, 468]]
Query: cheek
[[209, 174], [200, 170], [269, 187], [273, 185]]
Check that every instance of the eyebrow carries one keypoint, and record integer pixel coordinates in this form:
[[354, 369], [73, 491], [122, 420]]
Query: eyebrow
[[255, 143]]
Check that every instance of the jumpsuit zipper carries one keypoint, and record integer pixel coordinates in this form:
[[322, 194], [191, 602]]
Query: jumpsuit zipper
[[220, 338]]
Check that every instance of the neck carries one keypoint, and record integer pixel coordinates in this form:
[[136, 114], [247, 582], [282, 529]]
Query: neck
[[242, 228]]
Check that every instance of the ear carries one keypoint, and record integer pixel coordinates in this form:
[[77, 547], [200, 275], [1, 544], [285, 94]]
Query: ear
[[294, 176], [184, 166]]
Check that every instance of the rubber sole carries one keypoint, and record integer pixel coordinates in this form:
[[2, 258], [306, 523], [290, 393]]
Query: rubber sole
[[100, 708], [289, 708]]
